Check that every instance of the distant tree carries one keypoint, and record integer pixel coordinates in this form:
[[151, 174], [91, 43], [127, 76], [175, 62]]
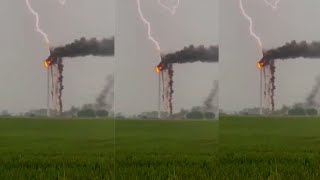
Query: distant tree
[[102, 113], [297, 111], [312, 112], [209, 115], [5, 113], [196, 108], [194, 115], [87, 113], [119, 115], [74, 110]]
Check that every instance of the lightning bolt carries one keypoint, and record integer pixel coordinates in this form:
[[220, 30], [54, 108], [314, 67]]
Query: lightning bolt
[[252, 33], [171, 10], [44, 35], [273, 6], [145, 21]]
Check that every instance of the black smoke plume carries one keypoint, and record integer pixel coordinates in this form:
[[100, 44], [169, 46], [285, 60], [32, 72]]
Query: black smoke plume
[[292, 50], [311, 100], [208, 103], [104, 101], [85, 47], [191, 54], [81, 47]]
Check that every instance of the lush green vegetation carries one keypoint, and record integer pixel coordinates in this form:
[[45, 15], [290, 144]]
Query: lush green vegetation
[[246, 148], [56, 149], [166, 149], [269, 148]]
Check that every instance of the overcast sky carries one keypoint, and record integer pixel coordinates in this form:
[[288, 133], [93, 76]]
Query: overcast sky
[[22, 75], [239, 77], [195, 22]]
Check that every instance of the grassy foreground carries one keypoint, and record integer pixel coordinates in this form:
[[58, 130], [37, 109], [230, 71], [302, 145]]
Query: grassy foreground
[[56, 149], [246, 148], [166, 149], [269, 148]]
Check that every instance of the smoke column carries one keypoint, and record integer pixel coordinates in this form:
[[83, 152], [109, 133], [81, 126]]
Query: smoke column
[[60, 82], [290, 50], [311, 100], [293, 50], [85, 47], [106, 95], [208, 103], [189, 54], [82, 47]]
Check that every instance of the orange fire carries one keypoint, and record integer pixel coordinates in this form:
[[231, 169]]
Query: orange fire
[[159, 68], [47, 63], [260, 65]]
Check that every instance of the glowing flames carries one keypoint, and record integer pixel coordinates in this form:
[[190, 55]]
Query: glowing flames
[[47, 63], [260, 65], [159, 68]]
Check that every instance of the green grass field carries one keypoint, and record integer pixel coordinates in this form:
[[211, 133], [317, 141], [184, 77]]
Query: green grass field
[[166, 149], [56, 149], [246, 148], [269, 148], [84, 149]]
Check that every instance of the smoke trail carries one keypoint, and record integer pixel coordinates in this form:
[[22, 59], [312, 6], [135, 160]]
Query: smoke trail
[[188, 54], [311, 100], [290, 50], [106, 95], [294, 50], [191, 54], [208, 103], [60, 83], [170, 88], [84, 47]]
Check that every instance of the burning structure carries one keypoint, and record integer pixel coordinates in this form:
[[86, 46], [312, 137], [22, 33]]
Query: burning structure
[[82, 47], [188, 54], [290, 50]]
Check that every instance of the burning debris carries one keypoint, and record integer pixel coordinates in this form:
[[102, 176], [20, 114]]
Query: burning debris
[[188, 54], [82, 47]]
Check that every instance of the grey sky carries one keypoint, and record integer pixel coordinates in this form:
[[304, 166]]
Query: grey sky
[[22, 76], [136, 81], [295, 20]]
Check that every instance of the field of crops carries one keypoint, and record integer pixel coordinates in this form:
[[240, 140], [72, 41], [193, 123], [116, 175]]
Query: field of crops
[[269, 148], [84, 149], [56, 149], [166, 149], [246, 148]]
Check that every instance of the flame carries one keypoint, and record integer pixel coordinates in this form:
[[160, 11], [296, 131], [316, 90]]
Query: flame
[[260, 65], [159, 68], [46, 64]]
